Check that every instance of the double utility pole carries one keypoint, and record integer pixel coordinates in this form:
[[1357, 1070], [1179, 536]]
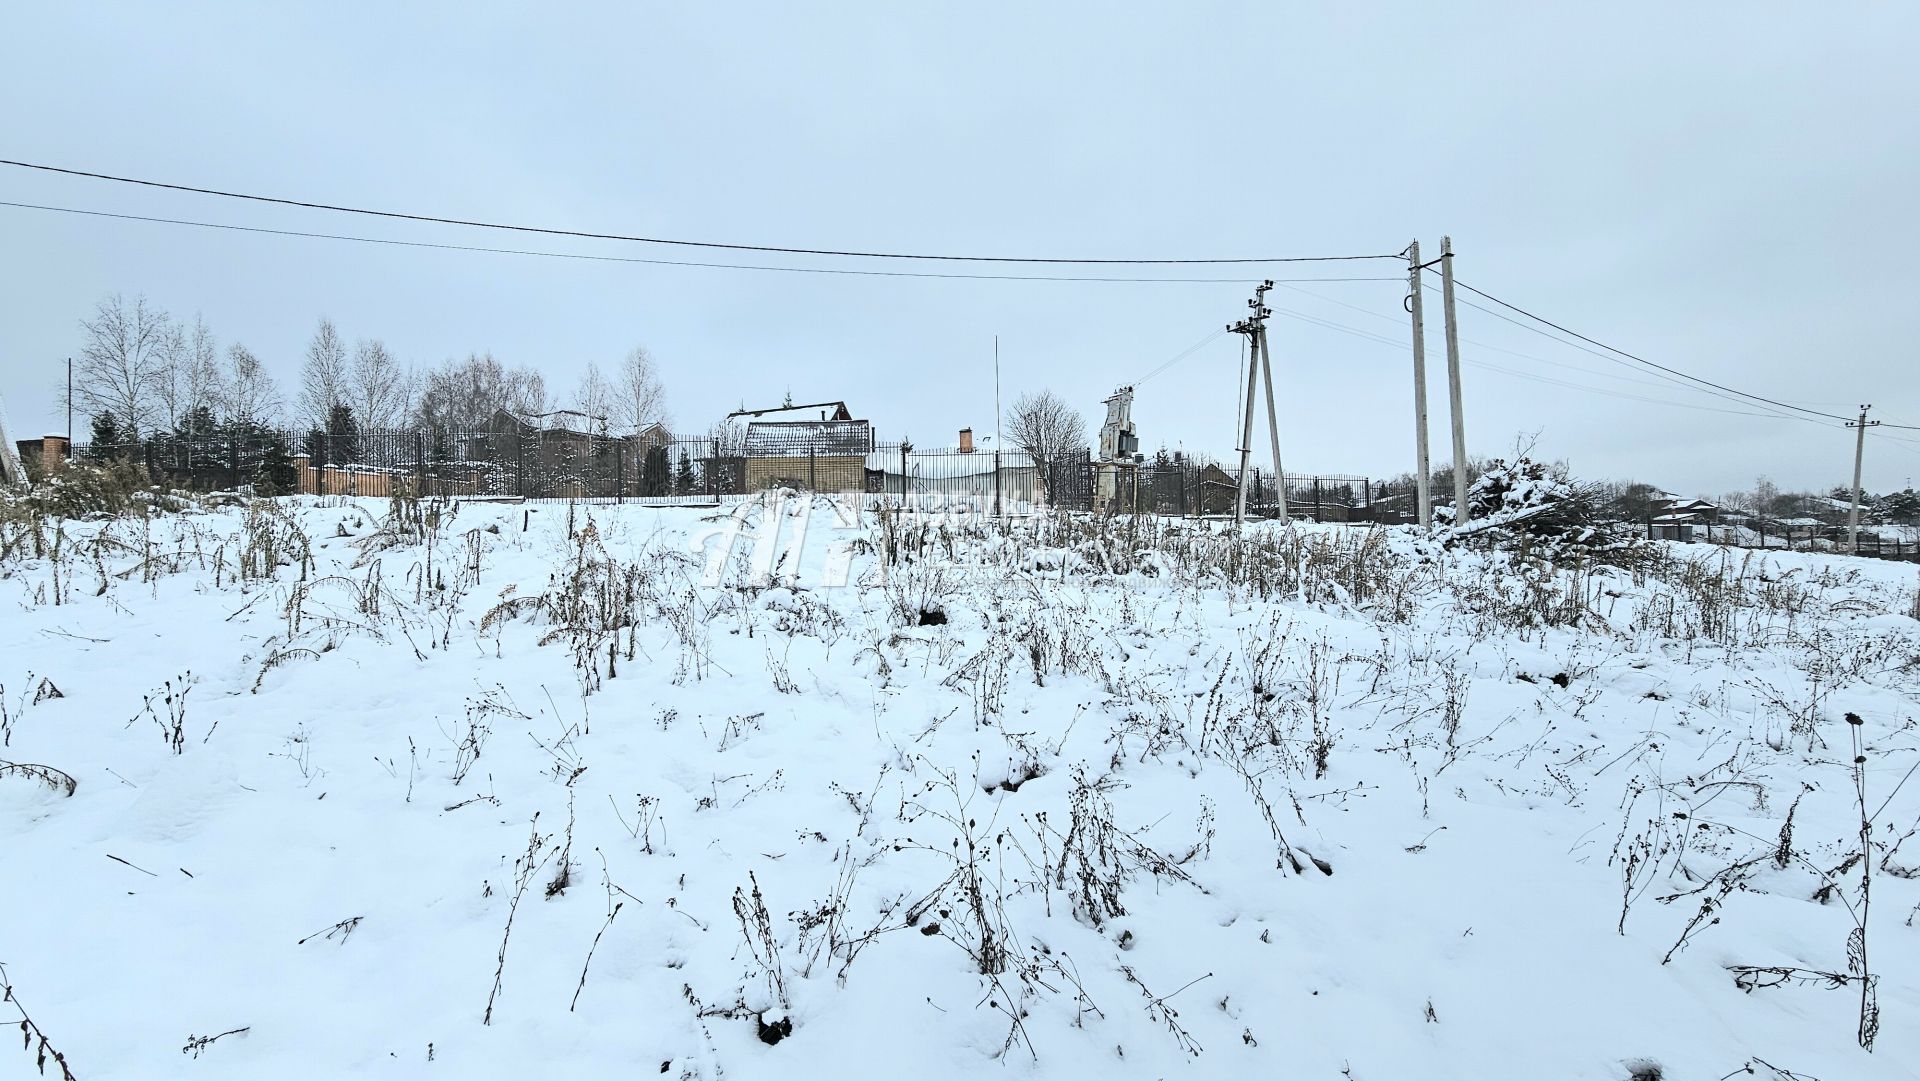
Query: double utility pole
[[1259, 363], [1422, 469], [1859, 451]]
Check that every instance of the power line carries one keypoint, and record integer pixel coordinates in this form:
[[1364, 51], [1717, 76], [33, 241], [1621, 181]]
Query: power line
[[652, 262], [848, 253], [1663, 378], [1182, 355], [1642, 360], [1398, 346], [1660, 381]]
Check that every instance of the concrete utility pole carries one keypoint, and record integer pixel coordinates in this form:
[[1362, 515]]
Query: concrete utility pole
[[1859, 450], [1421, 470], [1255, 328], [1460, 514], [1273, 425]]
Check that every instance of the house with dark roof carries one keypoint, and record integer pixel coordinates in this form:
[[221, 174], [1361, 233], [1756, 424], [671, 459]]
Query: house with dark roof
[[819, 447]]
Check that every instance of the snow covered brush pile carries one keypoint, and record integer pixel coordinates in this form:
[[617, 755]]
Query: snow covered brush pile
[[1533, 508], [794, 788]]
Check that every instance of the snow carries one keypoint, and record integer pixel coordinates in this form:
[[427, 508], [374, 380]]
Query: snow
[[789, 715]]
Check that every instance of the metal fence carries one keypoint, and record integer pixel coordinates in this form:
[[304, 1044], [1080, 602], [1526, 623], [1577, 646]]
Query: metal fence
[[516, 462]]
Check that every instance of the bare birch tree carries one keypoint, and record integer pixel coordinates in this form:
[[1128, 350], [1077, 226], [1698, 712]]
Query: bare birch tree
[[1045, 426], [202, 378], [170, 380], [189, 374], [122, 362], [594, 396], [248, 395], [638, 398], [325, 376], [462, 395], [380, 390]]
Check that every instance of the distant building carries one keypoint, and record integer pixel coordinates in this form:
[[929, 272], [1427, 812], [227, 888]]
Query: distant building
[[33, 452], [820, 447], [968, 478], [1676, 519]]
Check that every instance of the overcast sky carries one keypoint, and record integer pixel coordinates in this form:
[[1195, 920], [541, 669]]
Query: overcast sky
[[1725, 189]]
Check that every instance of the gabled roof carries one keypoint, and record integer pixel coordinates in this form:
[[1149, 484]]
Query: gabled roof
[[801, 438], [560, 420]]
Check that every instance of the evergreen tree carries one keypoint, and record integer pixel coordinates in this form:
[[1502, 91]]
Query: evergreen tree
[[275, 474], [336, 444], [344, 430], [1902, 506], [654, 473], [683, 481], [106, 441]]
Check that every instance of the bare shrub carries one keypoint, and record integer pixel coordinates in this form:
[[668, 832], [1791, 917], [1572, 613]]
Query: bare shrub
[[30, 1033]]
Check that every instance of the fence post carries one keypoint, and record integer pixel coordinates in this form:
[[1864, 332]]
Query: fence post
[[619, 471], [233, 458], [420, 462], [1316, 499], [520, 464], [713, 472]]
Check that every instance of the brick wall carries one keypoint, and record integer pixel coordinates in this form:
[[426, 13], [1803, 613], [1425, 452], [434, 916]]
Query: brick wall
[[828, 473]]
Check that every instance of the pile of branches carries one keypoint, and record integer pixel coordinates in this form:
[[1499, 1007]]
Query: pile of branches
[[1540, 509]]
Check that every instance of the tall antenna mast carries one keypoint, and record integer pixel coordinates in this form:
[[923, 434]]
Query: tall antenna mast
[[996, 426]]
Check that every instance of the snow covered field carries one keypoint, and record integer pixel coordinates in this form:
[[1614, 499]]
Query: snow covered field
[[496, 791]]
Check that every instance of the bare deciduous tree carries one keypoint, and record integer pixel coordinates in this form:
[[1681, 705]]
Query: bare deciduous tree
[[638, 398], [122, 361], [202, 378], [380, 390], [595, 395], [248, 395], [325, 377], [170, 379], [728, 438], [189, 374], [1045, 426], [462, 395]]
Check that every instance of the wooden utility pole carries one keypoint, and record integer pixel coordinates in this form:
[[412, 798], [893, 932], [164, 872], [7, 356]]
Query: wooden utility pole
[[1859, 451], [1460, 514], [1421, 470], [1255, 329]]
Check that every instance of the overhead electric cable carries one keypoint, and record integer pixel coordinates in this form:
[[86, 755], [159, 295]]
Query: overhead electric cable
[[1642, 360], [656, 262], [593, 235]]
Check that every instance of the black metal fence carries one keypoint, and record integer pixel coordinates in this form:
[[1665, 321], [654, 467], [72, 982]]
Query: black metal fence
[[517, 462]]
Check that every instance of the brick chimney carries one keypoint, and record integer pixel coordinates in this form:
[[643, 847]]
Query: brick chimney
[[966, 440]]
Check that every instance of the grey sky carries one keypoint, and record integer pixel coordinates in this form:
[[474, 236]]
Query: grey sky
[[1725, 189]]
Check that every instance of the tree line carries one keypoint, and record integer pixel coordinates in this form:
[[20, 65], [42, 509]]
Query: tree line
[[145, 374]]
